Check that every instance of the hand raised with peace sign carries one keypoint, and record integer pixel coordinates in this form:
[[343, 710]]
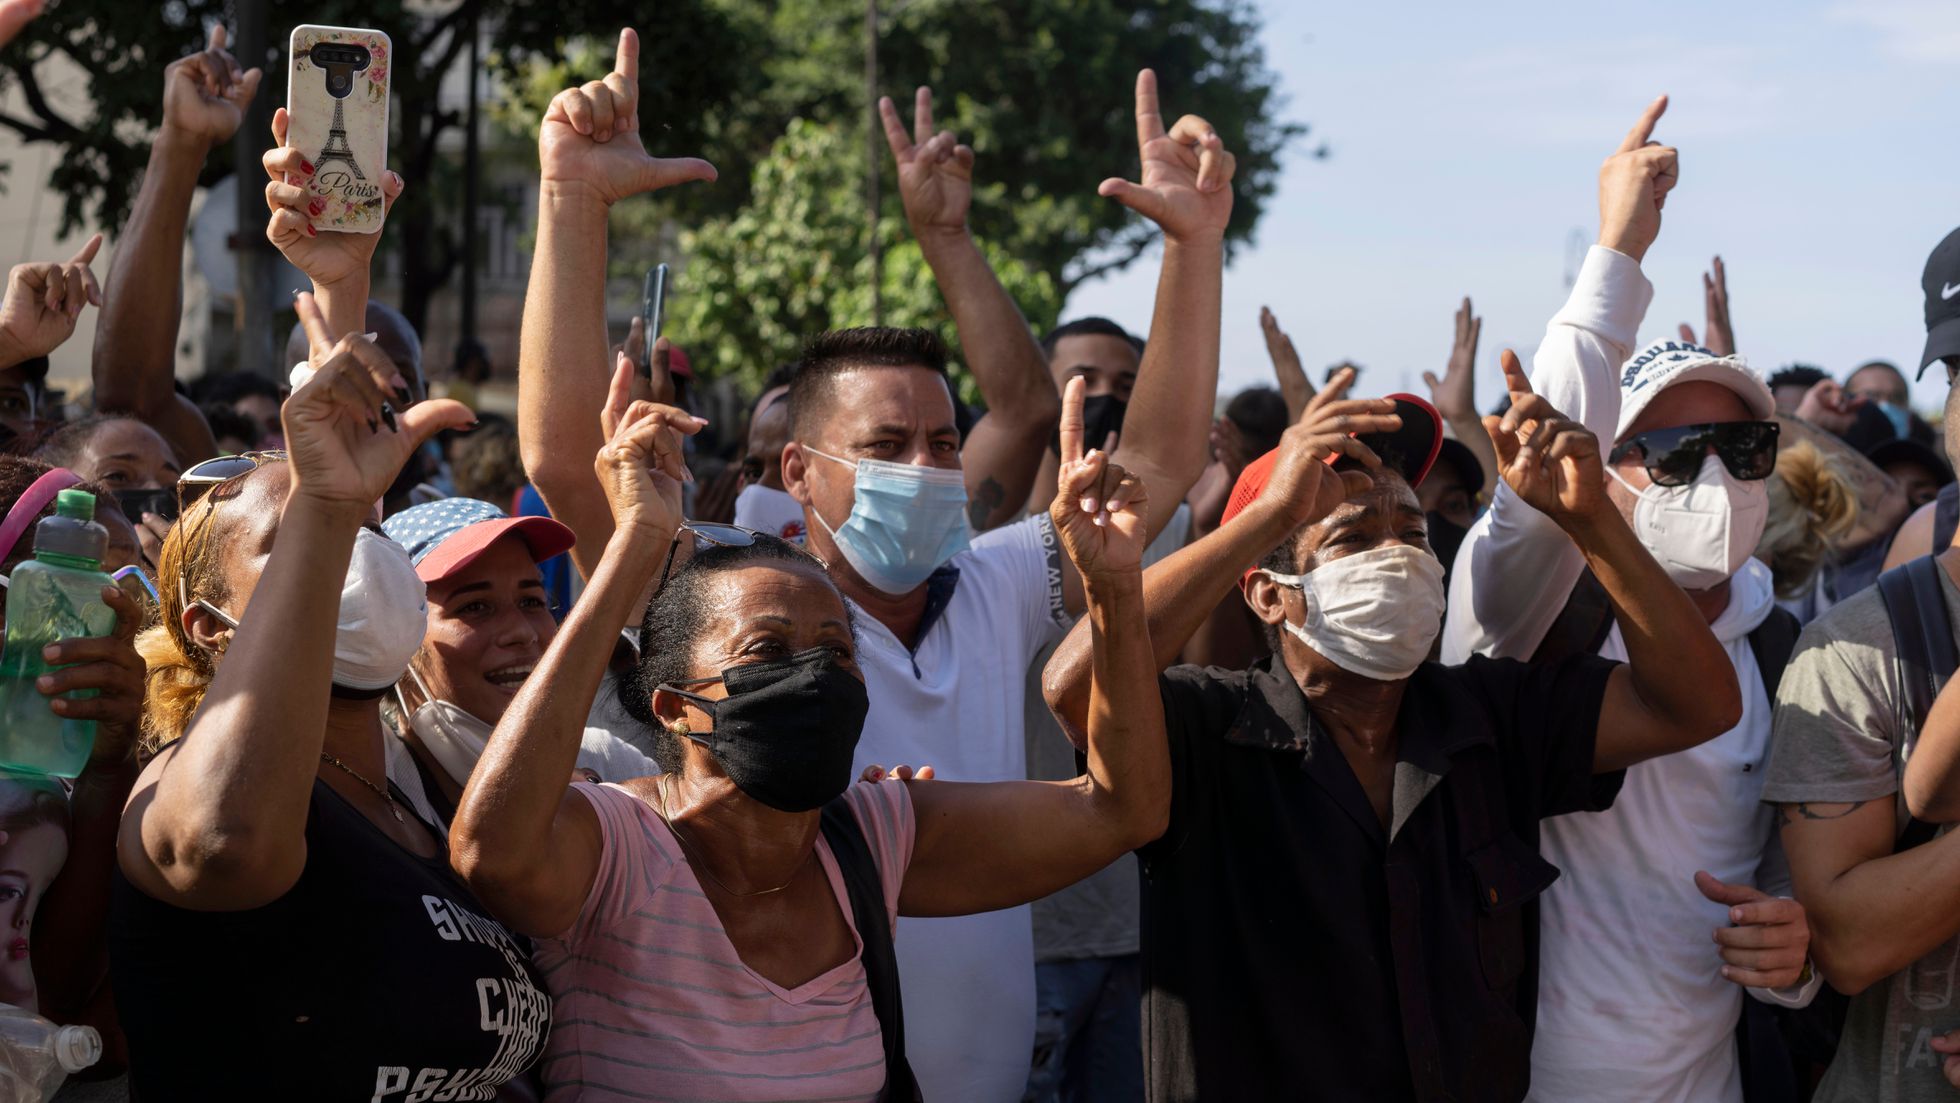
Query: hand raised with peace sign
[[1633, 186], [1550, 462], [591, 137], [1099, 509], [346, 432], [1187, 173], [44, 299], [935, 172]]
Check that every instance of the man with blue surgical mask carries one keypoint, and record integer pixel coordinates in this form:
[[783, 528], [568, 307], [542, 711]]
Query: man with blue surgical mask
[[1884, 386], [1672, 902]]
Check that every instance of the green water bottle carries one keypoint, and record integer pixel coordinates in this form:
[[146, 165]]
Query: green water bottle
[[56, 595]]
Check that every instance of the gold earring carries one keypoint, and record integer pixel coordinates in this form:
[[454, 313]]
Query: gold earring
[[678, 727]]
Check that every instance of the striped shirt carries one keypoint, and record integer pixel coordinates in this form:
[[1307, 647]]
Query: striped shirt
[[653, 1002]]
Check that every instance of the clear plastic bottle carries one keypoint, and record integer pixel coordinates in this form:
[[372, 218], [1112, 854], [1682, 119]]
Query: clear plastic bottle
[[36, 1055], [56, 595]]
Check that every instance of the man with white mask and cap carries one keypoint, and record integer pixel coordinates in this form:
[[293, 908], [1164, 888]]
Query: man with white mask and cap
[[1350, 818], [1673, 900]]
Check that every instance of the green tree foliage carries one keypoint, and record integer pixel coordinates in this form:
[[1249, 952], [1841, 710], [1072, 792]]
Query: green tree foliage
[[792, 262]]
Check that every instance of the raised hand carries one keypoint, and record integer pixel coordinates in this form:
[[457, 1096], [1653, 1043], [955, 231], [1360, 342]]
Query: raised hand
[[1550, 462], [1187, 173], [1633, 186], [1303, 480], [1715, 297], [326, 258], [1455, 394], [935, 172], [1830, 407], [44, 299], [1294, 386], [1768, 939], [347, 434], [642, 466], [205, 94], [590, 139], [1100, 509], [15, 15]]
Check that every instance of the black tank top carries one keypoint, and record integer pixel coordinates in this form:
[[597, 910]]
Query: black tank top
[[377, 976]]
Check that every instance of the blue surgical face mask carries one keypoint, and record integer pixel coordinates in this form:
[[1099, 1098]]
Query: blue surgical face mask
[[905, 522], [1899, 416]]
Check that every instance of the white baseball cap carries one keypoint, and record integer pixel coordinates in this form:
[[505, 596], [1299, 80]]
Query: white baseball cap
[[1664, 363]]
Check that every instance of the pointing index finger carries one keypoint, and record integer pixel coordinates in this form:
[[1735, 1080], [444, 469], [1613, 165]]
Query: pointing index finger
[[1644, 129], [1150, 120], [217, 36], [89, 248], [1071, 427], [1514, 377], [626, 61], [319, 338]]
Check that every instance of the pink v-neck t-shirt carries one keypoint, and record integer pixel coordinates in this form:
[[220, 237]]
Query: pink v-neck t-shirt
[[651, 1001]]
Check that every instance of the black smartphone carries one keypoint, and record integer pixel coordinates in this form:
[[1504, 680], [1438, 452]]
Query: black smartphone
[[135, 503], [653, 309]]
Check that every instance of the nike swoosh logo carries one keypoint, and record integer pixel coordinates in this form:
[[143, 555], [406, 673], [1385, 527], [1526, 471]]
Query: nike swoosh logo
[[1947, 291]]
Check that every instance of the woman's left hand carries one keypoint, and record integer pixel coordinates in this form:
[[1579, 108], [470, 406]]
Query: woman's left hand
[[1099, 508], [110, 666], [642, 465]]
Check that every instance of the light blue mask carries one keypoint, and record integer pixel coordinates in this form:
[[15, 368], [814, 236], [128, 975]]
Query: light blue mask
[[1899, 416], [905, 522]]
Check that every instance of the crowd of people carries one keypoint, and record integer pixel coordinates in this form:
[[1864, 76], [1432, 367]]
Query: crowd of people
[[1110, 740]]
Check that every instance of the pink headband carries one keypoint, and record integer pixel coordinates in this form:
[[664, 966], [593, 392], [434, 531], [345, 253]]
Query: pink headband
[[28, 509]]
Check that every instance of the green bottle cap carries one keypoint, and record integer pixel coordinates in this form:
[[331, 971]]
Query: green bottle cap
[[79, 504]]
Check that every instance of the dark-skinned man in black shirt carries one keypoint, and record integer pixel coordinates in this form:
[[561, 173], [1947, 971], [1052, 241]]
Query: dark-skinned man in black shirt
[[1343, 905]]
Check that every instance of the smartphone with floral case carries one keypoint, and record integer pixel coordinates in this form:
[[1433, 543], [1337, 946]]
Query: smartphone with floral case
[[337, 100]]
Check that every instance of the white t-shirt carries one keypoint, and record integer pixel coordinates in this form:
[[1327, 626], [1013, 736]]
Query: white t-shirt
[[1631, 1002], [765, 509], [956, 705]]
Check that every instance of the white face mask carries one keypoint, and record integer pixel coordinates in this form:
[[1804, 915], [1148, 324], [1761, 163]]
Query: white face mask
[[1374, 613], [1703, 532], [455, 738], [766, 509], [384, 612]]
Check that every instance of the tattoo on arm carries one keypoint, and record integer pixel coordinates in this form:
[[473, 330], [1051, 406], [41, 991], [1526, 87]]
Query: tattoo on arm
[[1787, 814], [984, 503]]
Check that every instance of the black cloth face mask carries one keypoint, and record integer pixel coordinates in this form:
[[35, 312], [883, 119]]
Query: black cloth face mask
[[787, 730], [1101, 415]]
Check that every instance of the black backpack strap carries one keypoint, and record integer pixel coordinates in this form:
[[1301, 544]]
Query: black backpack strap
[[1946, 516], [1922, 637], [1582, 625], [1772, 642], [866, 890]]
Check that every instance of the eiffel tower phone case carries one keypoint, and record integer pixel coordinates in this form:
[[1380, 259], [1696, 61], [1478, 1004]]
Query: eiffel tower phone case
[[337, 98]]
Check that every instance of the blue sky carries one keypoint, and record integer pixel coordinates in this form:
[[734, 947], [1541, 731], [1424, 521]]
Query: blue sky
[[1818, 157]]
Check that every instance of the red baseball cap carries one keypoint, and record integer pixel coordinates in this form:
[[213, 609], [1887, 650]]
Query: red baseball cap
[[1411, 450], [678, 363], [443, 537]]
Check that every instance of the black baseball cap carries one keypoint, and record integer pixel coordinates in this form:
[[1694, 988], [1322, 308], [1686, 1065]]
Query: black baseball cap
[[1941, 282], [1468, 468], [1907, 450]]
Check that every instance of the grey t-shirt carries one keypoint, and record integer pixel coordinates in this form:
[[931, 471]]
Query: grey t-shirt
[[1837, 740]]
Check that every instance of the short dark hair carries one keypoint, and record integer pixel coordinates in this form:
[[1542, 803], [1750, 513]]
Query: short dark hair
[[226, 421], [1260, 413], [232, 386], [674, 619], [1798, 375], [830, 355], [64, 446], [1886, 364], [1092, 326]]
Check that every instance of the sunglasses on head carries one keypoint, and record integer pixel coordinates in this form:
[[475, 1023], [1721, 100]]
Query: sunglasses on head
[[1673, 457], [199, 478], [714, 534]]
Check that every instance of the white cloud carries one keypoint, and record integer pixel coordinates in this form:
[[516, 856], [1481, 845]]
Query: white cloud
[[1912, 30]]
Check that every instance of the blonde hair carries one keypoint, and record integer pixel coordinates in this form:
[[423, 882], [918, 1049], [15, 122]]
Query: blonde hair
[[1812, 505], [190, 569]]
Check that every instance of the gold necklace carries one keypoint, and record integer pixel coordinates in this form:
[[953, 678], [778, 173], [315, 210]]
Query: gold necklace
[[700, 862], [382, 793]]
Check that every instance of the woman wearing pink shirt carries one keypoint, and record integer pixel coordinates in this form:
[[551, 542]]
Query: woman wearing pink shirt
[[701, 930]]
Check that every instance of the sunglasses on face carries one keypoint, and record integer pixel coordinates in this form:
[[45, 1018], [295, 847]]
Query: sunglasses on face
[[198, 480], [713, 534], [1673, 457]]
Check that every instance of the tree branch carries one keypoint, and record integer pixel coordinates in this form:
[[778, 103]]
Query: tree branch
[[30, 87], [447, 22], [1126, 256], [28, 131]]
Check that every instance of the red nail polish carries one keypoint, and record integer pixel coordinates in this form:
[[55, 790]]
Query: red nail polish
[[311, 232], [316, 206], [306, 165]]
